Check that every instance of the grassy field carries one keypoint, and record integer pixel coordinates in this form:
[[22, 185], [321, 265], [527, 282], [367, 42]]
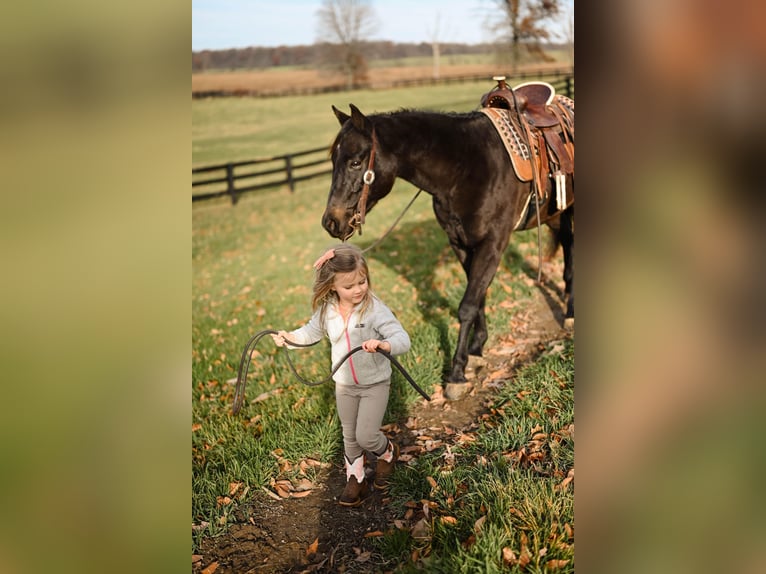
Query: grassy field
[[251, 271], [381, 73]]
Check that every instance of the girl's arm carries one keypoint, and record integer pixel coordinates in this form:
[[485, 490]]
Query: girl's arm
[[311, 332], [391, 331]]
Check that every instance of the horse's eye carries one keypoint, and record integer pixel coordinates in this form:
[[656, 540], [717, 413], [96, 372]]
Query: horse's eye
[[355, 164]]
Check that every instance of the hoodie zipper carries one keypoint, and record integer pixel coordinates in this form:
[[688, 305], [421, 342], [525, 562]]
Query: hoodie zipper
[[348, 344]]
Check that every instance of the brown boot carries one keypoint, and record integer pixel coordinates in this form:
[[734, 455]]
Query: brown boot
[[385, 465], [356, 485]]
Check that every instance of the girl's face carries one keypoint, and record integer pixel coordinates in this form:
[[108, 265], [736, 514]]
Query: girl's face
[[350, 287]]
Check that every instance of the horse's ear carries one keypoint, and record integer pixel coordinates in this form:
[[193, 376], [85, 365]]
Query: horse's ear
[[360, 120], [342, 118]]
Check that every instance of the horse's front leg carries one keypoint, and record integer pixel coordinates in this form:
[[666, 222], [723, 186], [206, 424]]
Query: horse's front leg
[[479, 334], [471, 310]]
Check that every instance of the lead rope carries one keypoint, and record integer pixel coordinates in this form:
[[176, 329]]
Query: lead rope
[[390, 229], [247, 353]]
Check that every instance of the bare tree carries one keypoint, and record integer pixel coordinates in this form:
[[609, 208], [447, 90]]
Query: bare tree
[[525, 25], [435, 48], [343, 28]]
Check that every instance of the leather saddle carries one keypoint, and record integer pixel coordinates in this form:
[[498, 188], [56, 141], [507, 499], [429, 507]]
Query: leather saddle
[[532, 99], [537, 128]]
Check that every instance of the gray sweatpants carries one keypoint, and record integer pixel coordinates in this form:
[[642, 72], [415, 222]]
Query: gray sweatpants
[[361, 409]]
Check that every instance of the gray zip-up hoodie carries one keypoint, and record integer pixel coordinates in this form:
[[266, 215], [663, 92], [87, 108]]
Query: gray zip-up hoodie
[[361, 368]]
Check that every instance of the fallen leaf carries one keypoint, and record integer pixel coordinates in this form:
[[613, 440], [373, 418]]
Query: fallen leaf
[[555, 564], [299, 403], [313, 547], [234, 487], [282, 491], [448, 520], [564, 483], [271, 494], [373, 534], [196, 558], [364, 556], [421, 529], [262, 397], [509, 557], [479, 524], [431, 481], [304, 484], [210, 569], [201, 526], [300, 494], [568, 529], [196, 427]]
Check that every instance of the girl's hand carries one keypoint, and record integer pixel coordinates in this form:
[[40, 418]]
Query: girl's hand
[[279, 338], [372, 346]]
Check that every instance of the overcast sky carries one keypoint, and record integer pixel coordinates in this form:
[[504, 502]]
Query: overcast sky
[[219, 24]]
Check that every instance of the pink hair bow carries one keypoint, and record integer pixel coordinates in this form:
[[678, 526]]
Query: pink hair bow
[[329, 254]]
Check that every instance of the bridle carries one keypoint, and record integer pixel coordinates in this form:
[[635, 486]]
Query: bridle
[[357, 220]]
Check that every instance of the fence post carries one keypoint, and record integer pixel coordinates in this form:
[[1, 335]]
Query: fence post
[[568, 83], [289, 169], [230, 183]]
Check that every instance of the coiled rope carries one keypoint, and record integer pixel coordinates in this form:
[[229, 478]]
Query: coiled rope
[[244, 366]]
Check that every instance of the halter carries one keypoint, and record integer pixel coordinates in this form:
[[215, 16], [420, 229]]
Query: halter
[[361, 207]]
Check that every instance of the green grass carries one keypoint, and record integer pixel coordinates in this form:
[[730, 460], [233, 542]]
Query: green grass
[[251, 270], [521, 502]]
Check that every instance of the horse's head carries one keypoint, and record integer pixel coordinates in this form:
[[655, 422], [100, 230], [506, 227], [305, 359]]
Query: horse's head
[[362, 174]]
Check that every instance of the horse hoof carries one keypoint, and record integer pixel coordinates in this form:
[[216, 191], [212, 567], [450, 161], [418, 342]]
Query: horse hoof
[[456, 391], [569, 323]]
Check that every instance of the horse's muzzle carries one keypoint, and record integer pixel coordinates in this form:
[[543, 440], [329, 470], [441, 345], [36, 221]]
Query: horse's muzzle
[[333, 226]]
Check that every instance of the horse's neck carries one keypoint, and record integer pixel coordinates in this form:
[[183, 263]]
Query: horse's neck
[[420, 144]]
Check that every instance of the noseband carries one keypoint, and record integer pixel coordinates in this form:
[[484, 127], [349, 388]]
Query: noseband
[[361, 207]]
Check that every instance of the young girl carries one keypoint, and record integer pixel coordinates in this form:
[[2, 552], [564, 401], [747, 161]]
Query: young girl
[[347, 311]]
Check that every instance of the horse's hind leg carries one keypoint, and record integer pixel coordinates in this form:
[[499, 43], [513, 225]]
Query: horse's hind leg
[[566, 238]]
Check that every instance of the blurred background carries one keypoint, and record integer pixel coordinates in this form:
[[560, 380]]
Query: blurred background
[[95, 152]]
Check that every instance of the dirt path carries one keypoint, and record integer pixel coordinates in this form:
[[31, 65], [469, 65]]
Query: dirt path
[[315, 534]]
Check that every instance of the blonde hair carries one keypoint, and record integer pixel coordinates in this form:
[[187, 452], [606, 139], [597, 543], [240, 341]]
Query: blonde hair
[[346, 258]]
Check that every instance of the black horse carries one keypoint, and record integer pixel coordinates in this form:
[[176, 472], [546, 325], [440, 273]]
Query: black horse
[[461, 161]]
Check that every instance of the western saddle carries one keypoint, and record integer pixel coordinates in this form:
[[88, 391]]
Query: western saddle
[[537, 128]]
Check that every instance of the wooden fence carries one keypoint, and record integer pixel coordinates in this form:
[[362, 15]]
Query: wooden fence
[[277, 171], [221, 180]]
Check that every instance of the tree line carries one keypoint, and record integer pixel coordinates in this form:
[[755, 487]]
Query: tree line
[[258, 57]]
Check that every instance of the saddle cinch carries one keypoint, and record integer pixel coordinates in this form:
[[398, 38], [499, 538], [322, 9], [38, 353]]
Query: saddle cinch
[[537, 128]]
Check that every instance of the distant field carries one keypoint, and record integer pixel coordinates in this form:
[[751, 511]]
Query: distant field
[[380, 76]]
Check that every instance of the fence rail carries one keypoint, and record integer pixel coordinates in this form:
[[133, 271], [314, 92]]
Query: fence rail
[[289, 169], [285, 166]]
